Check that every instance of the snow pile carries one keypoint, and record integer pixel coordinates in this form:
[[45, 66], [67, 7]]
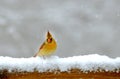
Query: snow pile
[[85, 63]]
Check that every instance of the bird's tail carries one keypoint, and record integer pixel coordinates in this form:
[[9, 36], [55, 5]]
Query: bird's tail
[[35, 55]]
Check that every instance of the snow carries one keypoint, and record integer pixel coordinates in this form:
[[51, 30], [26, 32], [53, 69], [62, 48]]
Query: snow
[[85, 63]]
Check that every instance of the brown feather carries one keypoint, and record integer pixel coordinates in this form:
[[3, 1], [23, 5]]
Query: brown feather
[[42, 46]]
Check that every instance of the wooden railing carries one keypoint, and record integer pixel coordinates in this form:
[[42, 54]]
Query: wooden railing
[[77, 67], [56, 74]]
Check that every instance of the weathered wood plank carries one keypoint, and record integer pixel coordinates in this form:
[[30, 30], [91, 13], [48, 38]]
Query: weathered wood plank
[[71, 74]]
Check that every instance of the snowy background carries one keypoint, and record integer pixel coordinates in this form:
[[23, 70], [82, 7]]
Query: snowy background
[[79, 26]]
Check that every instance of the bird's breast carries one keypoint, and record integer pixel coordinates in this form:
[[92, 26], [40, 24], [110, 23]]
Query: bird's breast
[[48, 49]]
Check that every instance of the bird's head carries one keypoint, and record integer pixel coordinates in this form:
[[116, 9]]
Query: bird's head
[[49, 37]]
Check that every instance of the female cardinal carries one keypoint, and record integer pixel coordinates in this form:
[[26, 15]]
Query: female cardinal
[[48, 47]]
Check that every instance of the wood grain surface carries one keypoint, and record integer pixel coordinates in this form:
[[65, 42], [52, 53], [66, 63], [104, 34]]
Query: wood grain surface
[[56, 74]]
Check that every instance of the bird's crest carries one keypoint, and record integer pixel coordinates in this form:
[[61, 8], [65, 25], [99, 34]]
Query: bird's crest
[[49, 35]]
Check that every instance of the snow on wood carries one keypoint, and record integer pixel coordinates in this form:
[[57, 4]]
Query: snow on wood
[[85, 63]]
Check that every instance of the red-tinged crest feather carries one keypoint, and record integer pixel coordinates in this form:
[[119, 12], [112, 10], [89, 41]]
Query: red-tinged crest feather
[[49, 35]]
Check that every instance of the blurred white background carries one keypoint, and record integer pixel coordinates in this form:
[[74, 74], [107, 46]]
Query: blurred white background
[[80, 26]]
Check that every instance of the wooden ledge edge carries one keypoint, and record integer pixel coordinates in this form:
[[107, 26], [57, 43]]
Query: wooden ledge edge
[[72, 74]]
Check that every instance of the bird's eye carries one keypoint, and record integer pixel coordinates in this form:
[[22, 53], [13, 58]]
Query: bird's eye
[[49, 40]]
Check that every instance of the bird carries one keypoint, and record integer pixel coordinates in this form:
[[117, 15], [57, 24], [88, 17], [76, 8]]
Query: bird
[[48, 47]]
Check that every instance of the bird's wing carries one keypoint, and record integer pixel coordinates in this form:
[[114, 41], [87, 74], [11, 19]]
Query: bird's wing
[[39, 49], [42, 46]]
